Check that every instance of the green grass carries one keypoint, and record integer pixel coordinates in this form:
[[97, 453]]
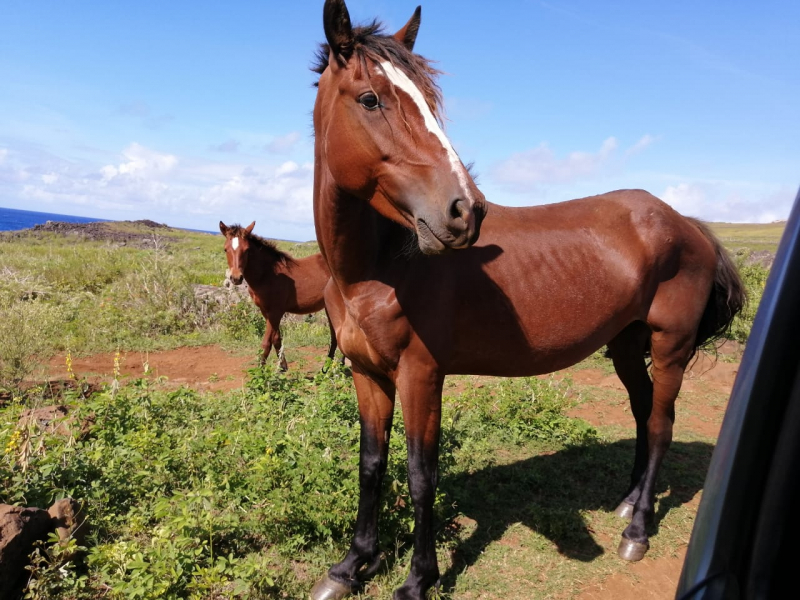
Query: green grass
[[254, 491], [750, 236], [108, 296]]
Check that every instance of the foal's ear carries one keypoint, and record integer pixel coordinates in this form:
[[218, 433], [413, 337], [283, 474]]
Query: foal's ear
[[249, 228], [338, 30], [223, 228], [408, 33]]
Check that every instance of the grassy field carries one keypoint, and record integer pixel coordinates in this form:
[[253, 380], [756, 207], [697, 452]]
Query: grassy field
[[250, 492], [751, 237]]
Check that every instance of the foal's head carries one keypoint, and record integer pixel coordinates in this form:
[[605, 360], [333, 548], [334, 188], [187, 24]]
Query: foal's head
[[378, 132], [237, 244]]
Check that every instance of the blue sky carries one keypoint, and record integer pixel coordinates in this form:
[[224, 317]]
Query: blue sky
[[192, 112]]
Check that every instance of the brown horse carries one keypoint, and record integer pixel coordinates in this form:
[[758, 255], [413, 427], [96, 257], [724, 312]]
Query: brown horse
[[277, 283], [543, 288]]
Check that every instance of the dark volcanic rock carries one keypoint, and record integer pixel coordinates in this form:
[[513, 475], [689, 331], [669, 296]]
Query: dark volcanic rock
[[146, 234], [20, 529], [68, 520]]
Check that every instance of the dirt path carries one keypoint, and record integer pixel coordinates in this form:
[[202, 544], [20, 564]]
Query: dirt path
[[200, 367]]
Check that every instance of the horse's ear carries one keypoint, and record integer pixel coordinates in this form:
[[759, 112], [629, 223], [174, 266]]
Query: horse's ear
[[338, 30], [408, 33], [223, 228], [249, 228]]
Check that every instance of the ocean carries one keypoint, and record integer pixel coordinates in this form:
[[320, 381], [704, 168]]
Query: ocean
[[11, 219]]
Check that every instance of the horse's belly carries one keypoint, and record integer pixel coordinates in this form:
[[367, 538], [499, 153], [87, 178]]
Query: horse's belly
[[544, 330]]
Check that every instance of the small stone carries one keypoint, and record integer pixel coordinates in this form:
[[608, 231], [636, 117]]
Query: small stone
[[68, 520]]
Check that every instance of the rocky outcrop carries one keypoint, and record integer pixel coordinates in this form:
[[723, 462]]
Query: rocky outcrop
[[55, 420], [20, 529]]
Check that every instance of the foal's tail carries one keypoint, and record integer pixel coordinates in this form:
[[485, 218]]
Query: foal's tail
[[727, 295]]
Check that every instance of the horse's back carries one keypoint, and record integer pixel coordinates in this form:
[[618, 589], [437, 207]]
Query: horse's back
[[550, 284]]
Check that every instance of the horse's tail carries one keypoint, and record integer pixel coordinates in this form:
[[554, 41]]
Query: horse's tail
[[728, 294]]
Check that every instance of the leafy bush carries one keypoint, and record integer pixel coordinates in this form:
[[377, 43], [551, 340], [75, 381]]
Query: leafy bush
[[195, 495], [244, 321], [754, 278]]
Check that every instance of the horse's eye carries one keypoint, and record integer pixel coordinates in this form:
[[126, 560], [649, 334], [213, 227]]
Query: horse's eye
[[369, 101]]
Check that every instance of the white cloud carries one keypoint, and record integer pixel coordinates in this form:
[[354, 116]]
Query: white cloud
[[529, 170], [3, 154], [283, 144], [147, 183], [734, 202], [229, 146], [141, 162], [538, 166], [645, 141]]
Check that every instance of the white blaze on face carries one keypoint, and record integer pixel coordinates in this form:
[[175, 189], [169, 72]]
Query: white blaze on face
[[401, 80], [235, 243]]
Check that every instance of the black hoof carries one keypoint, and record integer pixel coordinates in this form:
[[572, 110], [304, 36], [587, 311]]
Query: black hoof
[[624, 510], [330, 589], [632, 551], [405, 594]]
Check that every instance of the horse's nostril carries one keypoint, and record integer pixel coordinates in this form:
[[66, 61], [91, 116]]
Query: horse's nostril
[[458, 209]]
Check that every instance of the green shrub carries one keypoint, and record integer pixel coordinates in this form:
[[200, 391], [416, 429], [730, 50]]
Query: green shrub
[[754, 278], [201, 495]]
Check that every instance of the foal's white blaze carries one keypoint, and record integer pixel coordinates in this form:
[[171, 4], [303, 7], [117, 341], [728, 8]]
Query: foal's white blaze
[[235, 243], [401, 80]]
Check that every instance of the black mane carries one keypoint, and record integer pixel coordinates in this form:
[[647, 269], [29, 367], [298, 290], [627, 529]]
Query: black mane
[[280, 256], [370, 42]]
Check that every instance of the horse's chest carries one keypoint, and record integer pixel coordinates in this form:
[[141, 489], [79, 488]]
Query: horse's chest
[[373, 336]]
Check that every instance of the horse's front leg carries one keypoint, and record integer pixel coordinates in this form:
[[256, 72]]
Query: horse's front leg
[[376, 408], [421, 398], [266, 343]]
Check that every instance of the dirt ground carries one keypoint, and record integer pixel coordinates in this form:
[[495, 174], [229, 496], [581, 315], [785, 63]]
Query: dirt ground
[[700, 408]]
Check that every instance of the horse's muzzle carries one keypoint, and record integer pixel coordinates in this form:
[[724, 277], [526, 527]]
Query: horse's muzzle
[[457, 229]]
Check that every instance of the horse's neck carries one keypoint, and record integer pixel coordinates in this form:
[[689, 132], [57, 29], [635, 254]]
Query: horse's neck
[[348, 232], [262, 269]]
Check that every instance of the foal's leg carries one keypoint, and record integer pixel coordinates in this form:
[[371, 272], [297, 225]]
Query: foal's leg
[[266, 343], [421, 397], [627, 353], [274, 326], [670, 353], [376, 408]]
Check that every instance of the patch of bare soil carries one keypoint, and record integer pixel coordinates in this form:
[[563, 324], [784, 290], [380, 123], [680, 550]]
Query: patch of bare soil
[[202, 367], [706, 383], [648, 579]]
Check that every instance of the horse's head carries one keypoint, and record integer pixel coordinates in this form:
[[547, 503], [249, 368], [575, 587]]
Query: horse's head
[[379, 136], [237, 244]]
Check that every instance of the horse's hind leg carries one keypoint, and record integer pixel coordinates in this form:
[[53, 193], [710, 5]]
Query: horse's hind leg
[[670, 352], [627, 353]]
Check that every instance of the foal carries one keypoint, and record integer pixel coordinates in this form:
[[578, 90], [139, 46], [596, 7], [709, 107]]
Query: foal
[[277, 282]]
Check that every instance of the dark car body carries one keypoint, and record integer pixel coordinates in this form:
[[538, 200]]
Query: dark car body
[[745, 543]]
